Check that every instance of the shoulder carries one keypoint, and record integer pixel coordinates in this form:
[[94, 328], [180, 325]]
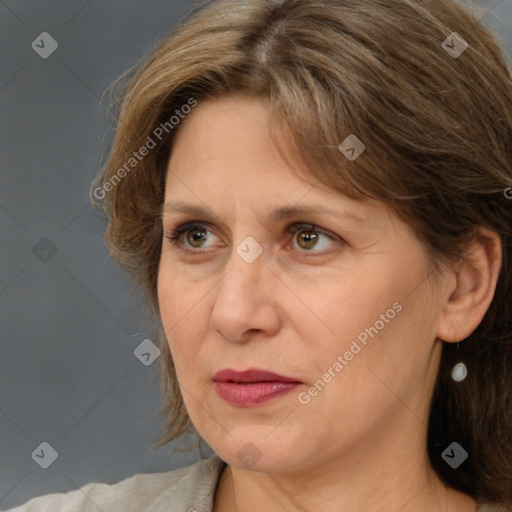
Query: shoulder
[[188, 488]]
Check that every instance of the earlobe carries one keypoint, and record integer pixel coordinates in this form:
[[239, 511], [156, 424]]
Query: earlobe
[[475, 283]]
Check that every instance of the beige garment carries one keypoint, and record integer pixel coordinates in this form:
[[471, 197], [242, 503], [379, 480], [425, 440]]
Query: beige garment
[[188, 489]]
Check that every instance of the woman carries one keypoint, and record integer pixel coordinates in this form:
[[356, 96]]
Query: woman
[[315, 197]]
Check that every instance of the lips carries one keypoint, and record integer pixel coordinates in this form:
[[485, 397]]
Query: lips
[[252, 388], [250, 376]]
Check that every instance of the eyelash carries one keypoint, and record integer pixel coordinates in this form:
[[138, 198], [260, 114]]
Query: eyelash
[[175, 234]]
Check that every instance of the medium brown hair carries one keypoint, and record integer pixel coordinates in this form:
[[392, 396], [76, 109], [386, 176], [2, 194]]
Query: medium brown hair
[[438, 135]]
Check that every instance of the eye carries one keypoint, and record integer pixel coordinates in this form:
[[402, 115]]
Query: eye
[[310, 237], [194, 236]]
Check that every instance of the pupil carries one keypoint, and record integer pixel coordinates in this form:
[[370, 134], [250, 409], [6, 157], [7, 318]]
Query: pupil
[[309, 238], [195, 236]]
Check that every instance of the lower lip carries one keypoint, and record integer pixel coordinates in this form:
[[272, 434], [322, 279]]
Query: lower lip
[[253, 394]]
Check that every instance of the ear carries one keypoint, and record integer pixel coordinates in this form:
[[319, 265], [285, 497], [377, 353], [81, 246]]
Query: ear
[[472, 288]]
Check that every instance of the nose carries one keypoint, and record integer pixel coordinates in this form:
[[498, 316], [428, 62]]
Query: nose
[[245, 305]]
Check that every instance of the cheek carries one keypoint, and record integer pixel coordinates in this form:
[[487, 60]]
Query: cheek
[[371, 317], [355, 305], [183, 319], [165, 302], [177, 298]]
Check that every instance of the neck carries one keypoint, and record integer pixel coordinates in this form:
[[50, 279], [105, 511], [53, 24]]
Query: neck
[[382, 478], [263, 492]]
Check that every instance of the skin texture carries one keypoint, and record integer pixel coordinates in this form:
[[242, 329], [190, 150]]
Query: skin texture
[[360, 443]]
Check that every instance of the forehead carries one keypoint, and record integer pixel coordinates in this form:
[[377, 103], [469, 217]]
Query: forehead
[[224, 152], [223, 129]]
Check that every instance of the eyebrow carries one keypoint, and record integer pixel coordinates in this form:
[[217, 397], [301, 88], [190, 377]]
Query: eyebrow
[[274, 216]]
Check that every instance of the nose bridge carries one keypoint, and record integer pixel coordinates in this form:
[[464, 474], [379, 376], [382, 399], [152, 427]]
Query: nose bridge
[[242, 300], [246, 259], [244, 279]]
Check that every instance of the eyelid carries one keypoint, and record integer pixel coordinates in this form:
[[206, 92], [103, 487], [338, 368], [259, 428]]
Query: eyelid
[[304, 226]]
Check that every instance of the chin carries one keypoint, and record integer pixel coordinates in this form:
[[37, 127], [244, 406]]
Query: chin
[[252, 448]]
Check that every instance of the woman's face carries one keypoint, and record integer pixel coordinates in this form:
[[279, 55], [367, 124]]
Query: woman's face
[[286, 276]]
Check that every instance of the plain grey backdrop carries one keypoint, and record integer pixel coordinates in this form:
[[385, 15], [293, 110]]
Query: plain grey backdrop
[[69, 326]]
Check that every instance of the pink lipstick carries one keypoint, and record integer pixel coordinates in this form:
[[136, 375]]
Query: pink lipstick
[[252, 387]]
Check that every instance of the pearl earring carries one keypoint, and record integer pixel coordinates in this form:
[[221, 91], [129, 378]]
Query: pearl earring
[[459, 371]]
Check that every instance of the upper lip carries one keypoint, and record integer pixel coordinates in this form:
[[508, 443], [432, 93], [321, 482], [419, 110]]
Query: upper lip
[[250, 375]]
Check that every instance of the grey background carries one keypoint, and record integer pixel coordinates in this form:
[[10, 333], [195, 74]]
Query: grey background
[[69, 325]]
